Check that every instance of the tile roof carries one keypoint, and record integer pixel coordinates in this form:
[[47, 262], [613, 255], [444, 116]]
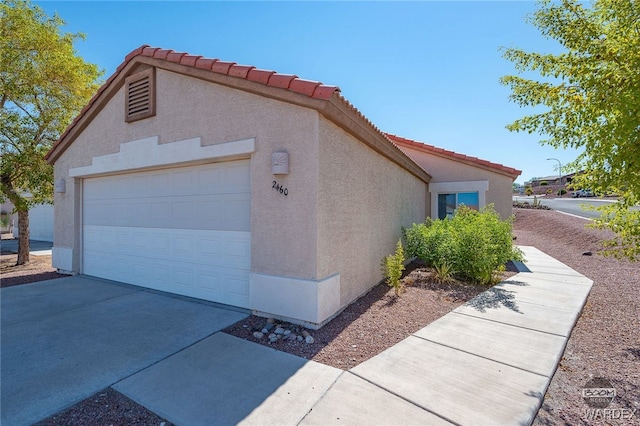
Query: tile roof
[[474, 161], [313, 89]]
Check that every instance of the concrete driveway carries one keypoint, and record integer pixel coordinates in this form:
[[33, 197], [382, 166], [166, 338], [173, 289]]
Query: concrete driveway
[[64, 340]]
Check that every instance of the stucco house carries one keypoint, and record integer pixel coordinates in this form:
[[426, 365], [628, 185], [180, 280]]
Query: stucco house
[[243, 186], [40, 221]]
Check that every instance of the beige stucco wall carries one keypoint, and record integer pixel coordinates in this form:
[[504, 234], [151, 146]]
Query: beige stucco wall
[[445, 170], [283, 237], [363, 201]]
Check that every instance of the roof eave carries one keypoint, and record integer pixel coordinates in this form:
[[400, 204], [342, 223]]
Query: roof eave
[[460, 158]]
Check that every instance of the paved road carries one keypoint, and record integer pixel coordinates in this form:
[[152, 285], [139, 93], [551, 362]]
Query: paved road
[[574, 206], [11, 246]]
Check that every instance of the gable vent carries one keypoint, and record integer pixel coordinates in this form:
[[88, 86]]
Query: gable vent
[[140, 95]]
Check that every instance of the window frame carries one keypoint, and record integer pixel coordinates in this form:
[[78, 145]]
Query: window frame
[[438, 188]]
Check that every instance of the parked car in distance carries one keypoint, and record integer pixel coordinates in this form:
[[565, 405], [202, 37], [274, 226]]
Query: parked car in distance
[[583, 193]]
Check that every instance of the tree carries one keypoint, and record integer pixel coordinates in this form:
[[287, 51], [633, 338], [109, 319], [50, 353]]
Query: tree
[[43, 85], [590, 94]]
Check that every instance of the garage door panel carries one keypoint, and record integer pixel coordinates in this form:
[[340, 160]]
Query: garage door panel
[[209, 280], [237, 179], [183, 230], [208, 181], [183, 277], [184, 247], [238, 251], [208, 247], [237, 283], [222, 212]]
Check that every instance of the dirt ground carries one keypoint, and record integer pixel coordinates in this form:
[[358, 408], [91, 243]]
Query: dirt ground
[[38, 269]]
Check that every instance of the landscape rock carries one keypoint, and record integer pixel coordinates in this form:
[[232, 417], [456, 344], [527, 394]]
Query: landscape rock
[[258, 335]]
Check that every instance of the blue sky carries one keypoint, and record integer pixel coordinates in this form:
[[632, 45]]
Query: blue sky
[[427, 71]]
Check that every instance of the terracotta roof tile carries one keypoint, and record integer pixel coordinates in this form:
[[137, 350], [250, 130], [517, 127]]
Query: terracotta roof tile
[[161, 53], [175, 57], [240, 70], [398, 140], [305, 87], [281, 80], [135, 53], [147, 51], [189, 60], [205, 63], [260, 76], [324, 92], [222, 67]]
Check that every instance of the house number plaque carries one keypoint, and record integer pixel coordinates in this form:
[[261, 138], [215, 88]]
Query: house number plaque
[[279, 188]]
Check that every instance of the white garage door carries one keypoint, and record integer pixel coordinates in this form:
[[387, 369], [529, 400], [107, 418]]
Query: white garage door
[[183, 230]]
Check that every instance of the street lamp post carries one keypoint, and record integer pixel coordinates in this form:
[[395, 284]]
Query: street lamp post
[[559, 170]]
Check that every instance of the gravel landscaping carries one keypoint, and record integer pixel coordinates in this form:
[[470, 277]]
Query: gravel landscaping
[[38, 269], [370, 325], [605, 342]]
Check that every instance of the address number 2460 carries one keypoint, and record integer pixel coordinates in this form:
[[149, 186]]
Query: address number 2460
[[279, 188]]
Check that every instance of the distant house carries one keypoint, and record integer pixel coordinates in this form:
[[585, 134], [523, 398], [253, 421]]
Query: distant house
[[551, 180], [40, 221], [245, 187]]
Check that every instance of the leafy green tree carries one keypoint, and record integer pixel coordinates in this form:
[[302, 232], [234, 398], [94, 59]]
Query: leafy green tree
[[43, 85], [590, 94]]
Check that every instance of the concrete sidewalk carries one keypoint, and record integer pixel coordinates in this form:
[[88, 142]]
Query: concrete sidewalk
[[488, 362]]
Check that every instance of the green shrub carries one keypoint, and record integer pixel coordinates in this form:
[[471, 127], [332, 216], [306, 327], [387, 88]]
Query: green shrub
[[544, 183], [562, 192], [4, 220], [392, 267], [528, 190], [474, 244]]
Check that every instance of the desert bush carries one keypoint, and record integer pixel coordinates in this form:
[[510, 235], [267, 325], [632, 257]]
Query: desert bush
[[544, 183], [392, 267], [562, 192], [526, 205], [528, 190], [473, 244]]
